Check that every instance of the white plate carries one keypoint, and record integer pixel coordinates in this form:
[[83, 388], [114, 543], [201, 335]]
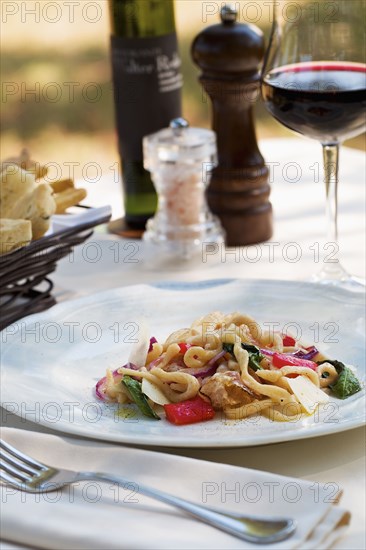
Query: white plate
[[51, 361]]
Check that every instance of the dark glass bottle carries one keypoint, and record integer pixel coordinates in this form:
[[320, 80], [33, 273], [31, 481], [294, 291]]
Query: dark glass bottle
[[147, 87]]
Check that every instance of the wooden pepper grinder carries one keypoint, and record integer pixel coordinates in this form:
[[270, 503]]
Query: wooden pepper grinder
[[229, 55]]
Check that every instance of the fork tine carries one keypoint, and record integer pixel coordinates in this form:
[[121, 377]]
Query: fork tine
[[8, 468], [8, 479], [22, 466], [19, 455]]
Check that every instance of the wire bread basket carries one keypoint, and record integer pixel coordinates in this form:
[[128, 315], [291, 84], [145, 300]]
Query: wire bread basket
[[24, 284]]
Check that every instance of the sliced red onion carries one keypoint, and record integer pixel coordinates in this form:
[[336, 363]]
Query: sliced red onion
[[100, 389], [101, 385], [153, 340], [216, 358], [128, 366], [207, 370], [268, 352], [154, 363], [309, 354]]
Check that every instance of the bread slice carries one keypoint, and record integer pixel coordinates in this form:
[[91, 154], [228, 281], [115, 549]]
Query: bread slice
[[15, 183], [38, 207], [67, 198], [14, 234]]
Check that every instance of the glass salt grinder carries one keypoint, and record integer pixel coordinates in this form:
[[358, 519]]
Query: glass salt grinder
[[180, 160]]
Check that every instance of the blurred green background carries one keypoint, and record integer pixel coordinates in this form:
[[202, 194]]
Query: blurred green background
[[57, 95]]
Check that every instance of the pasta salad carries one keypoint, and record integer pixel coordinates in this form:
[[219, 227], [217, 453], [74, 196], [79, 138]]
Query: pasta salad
[[227, 363]]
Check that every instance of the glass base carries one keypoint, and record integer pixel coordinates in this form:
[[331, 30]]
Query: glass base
[[336, 275]]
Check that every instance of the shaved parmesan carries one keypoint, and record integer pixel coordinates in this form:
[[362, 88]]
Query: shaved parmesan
[[153, 392], [308, 395], [140, 349]]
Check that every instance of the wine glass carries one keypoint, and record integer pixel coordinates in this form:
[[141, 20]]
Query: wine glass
[[314, 82]]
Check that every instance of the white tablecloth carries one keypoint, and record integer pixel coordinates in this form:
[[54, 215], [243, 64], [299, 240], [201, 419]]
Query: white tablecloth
[[295, 251], [107, 262]]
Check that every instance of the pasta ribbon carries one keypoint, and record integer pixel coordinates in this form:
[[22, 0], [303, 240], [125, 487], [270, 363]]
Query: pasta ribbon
[[257, 407], [198, 357], [278, 395], [157, 350], [171, 352], [177, 386], [181, 371], [115, 391], [330, 371]]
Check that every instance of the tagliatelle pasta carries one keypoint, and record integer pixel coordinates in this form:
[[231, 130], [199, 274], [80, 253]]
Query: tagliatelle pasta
[[231, 364], [330, 371]]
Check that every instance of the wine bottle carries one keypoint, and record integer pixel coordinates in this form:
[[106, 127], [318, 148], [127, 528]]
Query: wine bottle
[[147, 89]]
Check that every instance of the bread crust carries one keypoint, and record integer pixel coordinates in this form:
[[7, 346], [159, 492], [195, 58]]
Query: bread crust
[[22, 198], [14, 234]]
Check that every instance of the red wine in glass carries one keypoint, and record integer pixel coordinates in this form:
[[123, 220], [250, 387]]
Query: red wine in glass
[[325, 101], [314, 82]]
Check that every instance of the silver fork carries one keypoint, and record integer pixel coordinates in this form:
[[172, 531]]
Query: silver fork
[[27, 474]]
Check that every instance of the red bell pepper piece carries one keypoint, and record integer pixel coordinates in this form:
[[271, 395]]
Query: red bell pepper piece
[[281, 360], [288, 341], [184, 347], [189, 412]]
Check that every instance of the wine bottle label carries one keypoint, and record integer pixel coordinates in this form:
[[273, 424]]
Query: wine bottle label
[[147, 88]]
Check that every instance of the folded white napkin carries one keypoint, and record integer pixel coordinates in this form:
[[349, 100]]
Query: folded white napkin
[[94, 515], [64, 221]]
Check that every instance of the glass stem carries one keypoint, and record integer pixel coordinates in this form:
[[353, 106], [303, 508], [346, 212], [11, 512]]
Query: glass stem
[[331, 169], [332, 268]]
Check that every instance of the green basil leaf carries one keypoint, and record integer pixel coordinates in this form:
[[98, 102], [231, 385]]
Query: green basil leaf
[[251, 349], [134, 390], [229, 348], [255, 356]]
